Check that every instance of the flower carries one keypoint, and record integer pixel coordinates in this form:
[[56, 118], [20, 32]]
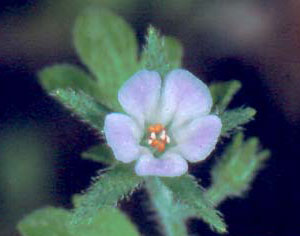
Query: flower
[[167, 123]]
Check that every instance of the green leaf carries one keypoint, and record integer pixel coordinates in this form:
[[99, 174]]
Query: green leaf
[[161, 53], [48, 221], [100, 153], [106, 191], [187, 191], [109, 221], [232, 120], [107, 46], [84, 106], [171, 214], [55, 221], [174, 52], [62, 76], [236, 169], [222, 93]]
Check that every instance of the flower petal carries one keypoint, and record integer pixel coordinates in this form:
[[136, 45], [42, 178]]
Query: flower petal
[[122, 135], [184, 97], [198, 139], [140, 94], [169, 165]]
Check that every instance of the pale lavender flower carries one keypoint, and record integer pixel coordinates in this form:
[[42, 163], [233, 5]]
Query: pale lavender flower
[[167, 123]]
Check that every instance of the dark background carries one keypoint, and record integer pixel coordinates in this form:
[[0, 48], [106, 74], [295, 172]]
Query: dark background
[[40, 143]]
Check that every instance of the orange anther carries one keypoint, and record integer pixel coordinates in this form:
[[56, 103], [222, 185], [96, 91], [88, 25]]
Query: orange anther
[[156, 128], [160, 143], [161, 146], [155, 143]]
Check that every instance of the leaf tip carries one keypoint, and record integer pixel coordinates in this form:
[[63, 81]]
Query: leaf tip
[[252, 111]]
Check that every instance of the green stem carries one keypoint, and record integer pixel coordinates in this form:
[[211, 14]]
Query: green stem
[[168, 211]]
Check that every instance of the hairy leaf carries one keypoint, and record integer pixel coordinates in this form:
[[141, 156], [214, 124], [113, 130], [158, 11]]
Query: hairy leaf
[[161, 53], [187, 191], [107, 46], [100, 153], [232, 120], [106, 191], [55, 221], [222, 93], [84, 106], [236, 169], [62, 76]]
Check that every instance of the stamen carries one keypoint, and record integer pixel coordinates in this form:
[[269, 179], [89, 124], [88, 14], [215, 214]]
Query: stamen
[[159, 144], [167, 139], [155, 143], [163, 135], [157, 128]]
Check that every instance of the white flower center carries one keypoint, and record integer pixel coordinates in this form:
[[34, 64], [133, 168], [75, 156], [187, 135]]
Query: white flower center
[[158, 137]]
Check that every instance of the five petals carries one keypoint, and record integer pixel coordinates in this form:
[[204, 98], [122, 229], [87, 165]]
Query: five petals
[[182, 102]]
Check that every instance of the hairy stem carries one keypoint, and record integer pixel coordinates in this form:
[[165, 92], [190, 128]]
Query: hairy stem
[[167, 210]]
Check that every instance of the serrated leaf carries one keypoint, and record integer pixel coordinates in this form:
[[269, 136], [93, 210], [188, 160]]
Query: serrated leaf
[[222, 93], [107, 46], [172, 215], [236, 169], [154, 55], [232, 120], [55, 221], [84, 106], [106, 191], [187, 191], [161, 53], [62, 76], [100, 153]]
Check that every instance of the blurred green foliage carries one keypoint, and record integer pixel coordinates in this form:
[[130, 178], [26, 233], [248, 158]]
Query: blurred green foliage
[[25, 172], [56, 221], [62, 76], [107, 45]]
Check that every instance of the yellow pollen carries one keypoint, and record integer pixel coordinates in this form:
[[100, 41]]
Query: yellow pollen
[[158, 143]]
